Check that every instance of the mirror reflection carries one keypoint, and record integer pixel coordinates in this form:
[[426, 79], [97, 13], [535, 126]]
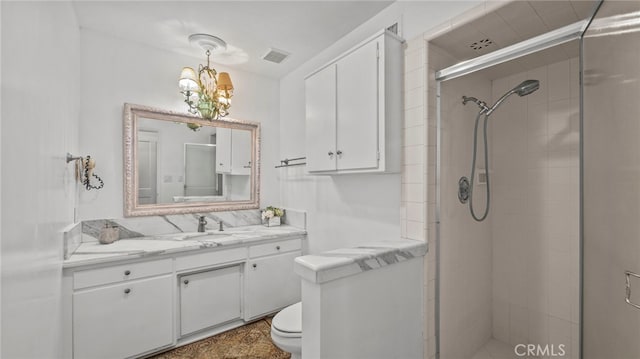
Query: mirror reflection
[[184, 164], [177, 164]]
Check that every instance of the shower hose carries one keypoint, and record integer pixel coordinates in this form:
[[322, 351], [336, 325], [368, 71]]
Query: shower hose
[[486, 166]]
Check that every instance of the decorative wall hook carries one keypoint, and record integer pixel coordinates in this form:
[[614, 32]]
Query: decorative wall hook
[[84, 171]]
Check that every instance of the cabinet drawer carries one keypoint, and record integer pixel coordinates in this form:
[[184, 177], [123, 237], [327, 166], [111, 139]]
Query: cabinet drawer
[[124, 272], [275, 247], [210, 258]]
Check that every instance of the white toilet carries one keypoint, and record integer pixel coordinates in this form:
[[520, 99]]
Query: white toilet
[[286, 330]]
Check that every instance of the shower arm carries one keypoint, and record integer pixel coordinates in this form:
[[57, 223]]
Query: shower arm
[[500, 101]]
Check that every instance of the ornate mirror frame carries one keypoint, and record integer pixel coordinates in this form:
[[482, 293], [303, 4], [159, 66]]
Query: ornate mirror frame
[[132, 208]]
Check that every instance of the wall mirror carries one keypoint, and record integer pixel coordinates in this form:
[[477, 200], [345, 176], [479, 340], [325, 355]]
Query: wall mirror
[[180, 163]]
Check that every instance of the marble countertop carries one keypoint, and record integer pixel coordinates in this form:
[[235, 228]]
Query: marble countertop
[[89, 253], [339, 263]]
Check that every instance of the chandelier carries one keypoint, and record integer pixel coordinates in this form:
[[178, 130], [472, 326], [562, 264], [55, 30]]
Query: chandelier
[[207, 93]]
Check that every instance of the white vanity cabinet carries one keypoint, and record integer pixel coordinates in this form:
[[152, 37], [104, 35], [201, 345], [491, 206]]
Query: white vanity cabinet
[[270, 282], [122, 311], [354, 109], [209, 298], [141, 306]]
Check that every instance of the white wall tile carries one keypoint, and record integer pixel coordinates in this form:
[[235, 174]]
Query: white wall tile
[[559, 81]]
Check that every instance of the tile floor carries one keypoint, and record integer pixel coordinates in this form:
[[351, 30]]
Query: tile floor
[[251, 341]]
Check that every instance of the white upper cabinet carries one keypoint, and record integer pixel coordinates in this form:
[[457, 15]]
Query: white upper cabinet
[[233, 151], [354, 110]]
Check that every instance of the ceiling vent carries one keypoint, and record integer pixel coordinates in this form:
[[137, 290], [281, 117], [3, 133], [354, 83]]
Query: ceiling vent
[[479, 45], [275, 55]]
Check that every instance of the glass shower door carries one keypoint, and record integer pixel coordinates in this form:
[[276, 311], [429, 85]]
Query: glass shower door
[[611, 183]]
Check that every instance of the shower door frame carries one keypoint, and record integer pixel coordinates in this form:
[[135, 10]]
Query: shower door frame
[[548, 40]]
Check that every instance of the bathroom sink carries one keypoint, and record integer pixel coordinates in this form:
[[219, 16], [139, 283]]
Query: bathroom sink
[[200, 235]]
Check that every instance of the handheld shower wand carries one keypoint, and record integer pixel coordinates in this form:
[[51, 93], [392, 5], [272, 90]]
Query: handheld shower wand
[[466, 191]]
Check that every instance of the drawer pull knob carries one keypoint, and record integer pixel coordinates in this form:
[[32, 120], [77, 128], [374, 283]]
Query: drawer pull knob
[[255, 265], [330, 153], [278, 247], [186, 281], [127, 291], [127, 272]]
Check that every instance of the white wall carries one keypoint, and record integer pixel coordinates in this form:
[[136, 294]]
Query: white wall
[[347, 210], [40, 98], [115, 71]]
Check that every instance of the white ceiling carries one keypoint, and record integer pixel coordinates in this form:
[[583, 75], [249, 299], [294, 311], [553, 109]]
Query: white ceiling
[[250, 28], [514, 22]]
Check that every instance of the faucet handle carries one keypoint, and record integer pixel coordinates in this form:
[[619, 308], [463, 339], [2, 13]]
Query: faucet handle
[[202, 220], [220, 226]]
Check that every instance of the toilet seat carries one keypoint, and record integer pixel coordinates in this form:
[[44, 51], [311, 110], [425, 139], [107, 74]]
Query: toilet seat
[[279, 333], [286, 330], [288, 323]]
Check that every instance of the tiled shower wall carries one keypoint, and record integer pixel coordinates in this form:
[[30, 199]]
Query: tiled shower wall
[[465, 245], [535, 214]]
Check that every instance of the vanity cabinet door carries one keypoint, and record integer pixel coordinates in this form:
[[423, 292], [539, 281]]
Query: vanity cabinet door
[[123, 320], [271, 284], [209, 298], [223, 150]]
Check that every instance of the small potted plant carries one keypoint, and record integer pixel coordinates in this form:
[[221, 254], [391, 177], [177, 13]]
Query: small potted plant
[[271, 216]]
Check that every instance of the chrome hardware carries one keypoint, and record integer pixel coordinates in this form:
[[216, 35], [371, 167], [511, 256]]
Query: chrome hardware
[[127, 272], [127, 291], [339, 153], [201, 223], [220, 228], [463, 189], [285, 162], [278, 248], [330, 153], [254, 265], [627, 298], [186, 281]]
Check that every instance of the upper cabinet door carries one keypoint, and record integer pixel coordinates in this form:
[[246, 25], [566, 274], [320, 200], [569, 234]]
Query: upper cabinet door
[[357, 103], [240, 152], [223, 150], [320, 92]]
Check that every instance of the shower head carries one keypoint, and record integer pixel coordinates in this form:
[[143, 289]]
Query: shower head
[[527, 87], [523, 89]]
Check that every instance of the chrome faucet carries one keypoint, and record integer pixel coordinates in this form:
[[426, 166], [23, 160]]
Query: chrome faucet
[[220, 229], [201, 223]]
